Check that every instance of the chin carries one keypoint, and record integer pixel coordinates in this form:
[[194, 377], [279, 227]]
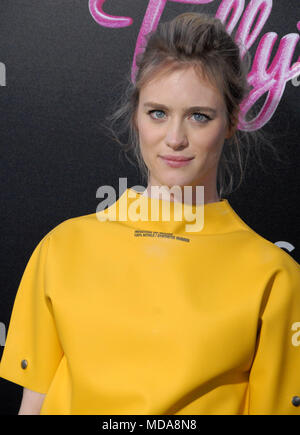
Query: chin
[[176, 181]]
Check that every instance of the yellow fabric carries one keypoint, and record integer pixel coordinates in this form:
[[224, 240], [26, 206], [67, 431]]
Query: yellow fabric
[[114, 320]]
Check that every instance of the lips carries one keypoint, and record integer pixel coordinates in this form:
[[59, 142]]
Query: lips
[[177, 158], [176, 162]]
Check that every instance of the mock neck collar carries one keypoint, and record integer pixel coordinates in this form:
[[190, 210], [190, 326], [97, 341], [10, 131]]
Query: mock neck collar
[[135, 210]]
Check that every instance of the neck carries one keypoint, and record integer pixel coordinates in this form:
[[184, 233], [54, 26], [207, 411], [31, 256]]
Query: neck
[[189, 196]]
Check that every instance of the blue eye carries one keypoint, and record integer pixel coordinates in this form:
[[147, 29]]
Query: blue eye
[[151, 111], [206, 117]]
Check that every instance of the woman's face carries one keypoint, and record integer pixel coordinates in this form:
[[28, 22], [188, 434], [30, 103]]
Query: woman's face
[[181, 115]]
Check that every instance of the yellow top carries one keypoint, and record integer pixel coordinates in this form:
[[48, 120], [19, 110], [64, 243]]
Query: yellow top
[[143, 317]]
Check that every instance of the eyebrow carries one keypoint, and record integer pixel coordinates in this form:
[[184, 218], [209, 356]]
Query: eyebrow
[[186, 110]]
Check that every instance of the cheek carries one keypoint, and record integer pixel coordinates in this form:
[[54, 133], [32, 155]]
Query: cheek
[[212, 138], [149, 139]]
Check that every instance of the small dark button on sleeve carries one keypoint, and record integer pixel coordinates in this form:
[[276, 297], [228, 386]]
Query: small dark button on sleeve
[[24, 364], [296, 401]]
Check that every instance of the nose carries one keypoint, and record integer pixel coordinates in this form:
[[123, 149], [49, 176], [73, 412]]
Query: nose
[[176, 137]]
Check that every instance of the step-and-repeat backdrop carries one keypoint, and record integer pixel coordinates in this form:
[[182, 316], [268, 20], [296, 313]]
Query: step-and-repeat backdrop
[[62, 66]]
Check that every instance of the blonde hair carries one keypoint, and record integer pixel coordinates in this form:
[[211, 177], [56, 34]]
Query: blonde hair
[[199, 40]]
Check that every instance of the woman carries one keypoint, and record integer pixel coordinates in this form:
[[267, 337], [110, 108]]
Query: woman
[[145, 316]]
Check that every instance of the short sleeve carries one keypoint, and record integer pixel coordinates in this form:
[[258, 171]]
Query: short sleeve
[[274, 382], [32, 349]]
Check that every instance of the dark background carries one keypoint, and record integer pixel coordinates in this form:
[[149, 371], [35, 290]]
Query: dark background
[[63, 72]]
